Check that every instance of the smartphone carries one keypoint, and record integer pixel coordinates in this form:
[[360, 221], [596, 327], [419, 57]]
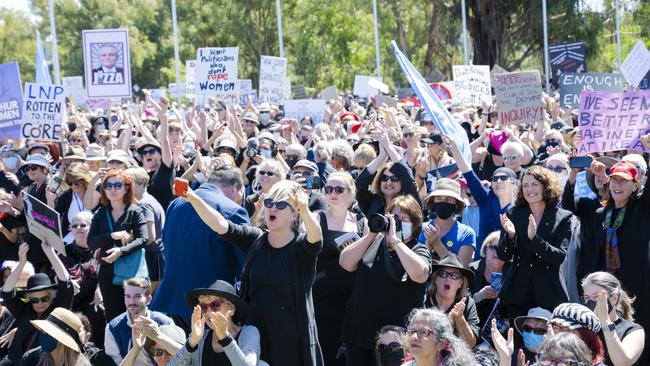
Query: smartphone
[[580, 162], [180, 187], [495, 281]]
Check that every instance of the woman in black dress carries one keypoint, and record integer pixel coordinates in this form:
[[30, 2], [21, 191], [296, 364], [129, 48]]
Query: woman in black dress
[[279, 272], [333, 284], [391, 271]]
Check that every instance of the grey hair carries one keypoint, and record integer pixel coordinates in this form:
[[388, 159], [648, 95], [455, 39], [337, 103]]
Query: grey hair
[[567, 344], [342, 150], [323, 152], [297, 149], [457, 353], [610, 283], [85, 216], [226, 175]]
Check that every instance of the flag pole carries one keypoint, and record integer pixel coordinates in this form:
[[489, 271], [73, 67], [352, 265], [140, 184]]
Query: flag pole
[[176, 57], [55, 53], [548, 83], [464, 15], [278, 10], [374, 14]]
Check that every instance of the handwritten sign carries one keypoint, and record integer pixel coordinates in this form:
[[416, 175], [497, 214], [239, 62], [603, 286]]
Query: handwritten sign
[[74, 88], [190, 77], [472, 83], [107, 63], [566, 57], [299, 108], [43, 109], [246, 90], [11, 102], [613, 121], [362, 87], [572, 84], [582, 187], [519, 97], [329, 93], [216, 72], [43, 222], [273, 70], [636, 64]]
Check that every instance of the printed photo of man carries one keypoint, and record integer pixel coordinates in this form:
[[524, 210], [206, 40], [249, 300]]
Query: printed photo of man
[[108, 72]]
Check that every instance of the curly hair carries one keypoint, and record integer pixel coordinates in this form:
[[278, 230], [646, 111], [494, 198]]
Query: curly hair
[[548, 179]]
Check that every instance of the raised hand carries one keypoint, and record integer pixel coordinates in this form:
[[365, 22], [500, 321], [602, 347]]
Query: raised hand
[[220, 323], [22, 252], [198, 326], [299, 202], [507, 226], [504, 347], [532, 227], [458, 311]]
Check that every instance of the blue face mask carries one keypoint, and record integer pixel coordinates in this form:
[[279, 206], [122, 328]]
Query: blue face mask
[[533, 341], [48, 344]]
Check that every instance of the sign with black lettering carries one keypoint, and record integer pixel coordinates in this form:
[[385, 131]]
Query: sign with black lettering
[[519, 97], [43, 109]]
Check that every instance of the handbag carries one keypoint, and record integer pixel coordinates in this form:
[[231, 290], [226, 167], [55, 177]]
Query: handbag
[[133, 265]]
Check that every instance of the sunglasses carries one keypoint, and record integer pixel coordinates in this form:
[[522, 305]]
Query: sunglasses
[[280, 205], [74, 182], [337, 189], [452, 275], [31, 167], [557, 169], [538, 331], [393, 346], [392, 178], [36, 300], [268, 174], [213, 306], [422, 332], [408, 134], [148, 152], [497, 178], [75, 226], [159, 352], [116, 186]]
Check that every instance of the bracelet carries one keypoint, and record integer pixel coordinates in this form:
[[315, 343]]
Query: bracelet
[[189, 348]]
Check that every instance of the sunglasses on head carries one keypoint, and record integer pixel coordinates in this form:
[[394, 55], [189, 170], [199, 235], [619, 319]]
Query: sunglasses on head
[[392, 178], [337, 189], [148, 152], [538, 331], [497, 178], [452, 275], [281, 205], [36, 300], [116, 186], [31, 167], [213, 306], [75, 226], [268, 174], [159, 352]]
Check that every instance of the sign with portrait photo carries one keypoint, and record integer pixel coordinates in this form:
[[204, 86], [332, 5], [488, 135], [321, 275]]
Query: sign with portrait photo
[[107, 63]]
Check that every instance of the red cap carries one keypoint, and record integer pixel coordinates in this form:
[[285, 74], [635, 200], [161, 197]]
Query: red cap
[[355, 128], [348, 115], [624, 169]]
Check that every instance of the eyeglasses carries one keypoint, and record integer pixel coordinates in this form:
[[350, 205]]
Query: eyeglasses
[[510, 157], [36, 300], [159, 352], [148, 152], [392, 178], [268, 174], [116, 186], [393, 346], [546, 360], [75, 226], [422, 332], [538, 331], [213, 306], [280, 205], [497, 178], [452, 275], [557, 169], [31, 167], [337, 189], [408, 134]]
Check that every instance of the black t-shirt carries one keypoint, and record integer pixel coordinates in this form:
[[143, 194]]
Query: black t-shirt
[[7, 323], [8, 250], [212, 358], [160, 184], [470, 313], [8, 185], [623, 328]]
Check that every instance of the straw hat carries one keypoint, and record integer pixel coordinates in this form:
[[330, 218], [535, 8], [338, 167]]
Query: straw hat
[[62, 325]]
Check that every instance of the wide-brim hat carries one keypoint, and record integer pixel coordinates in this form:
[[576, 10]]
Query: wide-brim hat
[[95, 152], [75, 153], [144, 143], [222, 289], [228, 143], [37, 282], [452, 261], [534, 313], [62, 325], [37, 159], [118, 155], [608, 161], [251, 116], [447, 187]]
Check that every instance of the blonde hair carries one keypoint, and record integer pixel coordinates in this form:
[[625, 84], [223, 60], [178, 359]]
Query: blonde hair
[[273, 165], [280, 192], [610, 283], [70, 358], [78, 172], [513, 146], [346, 178], [495, 235], [363, 155], [139, 175]]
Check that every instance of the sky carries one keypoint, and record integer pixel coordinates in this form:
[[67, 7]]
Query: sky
[[15, 4]]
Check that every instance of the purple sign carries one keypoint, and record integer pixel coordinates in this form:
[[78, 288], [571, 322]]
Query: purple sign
[[11, 102], [613, 121]]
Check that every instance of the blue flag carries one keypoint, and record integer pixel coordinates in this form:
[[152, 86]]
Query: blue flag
[[443, 121], [11, 102], [42, 72]]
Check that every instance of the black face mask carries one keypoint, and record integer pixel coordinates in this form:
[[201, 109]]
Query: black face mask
[[72, 127], [552, 143], [444, 210], [591, 304], [303, 140], [291, 162], [389, 357]]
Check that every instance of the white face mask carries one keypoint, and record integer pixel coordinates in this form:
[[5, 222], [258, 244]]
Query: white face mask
[[407, 229], [266, 154], [10, 161]]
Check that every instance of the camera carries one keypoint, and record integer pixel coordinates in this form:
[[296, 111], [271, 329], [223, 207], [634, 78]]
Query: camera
[[379, 223], [311, 181], [252, 147]]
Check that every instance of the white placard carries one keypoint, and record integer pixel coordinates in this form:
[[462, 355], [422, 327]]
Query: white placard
[[43, 110], [273, 70], [362, 86], [190, 77], [329, 93], [157, 93], [107, 63], [637, 64], [298, 108], [216, 72], [177, 91], [74, 88], [519, 97], [472, 84]]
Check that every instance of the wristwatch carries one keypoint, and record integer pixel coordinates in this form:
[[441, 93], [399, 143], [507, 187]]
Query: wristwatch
[[610, 327]]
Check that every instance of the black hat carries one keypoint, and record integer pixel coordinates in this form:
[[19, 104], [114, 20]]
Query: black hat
[[434, 137], [451, 260], [38, 282], [222, 289]]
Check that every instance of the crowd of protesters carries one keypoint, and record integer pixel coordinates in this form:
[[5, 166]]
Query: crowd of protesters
[[220, 234]]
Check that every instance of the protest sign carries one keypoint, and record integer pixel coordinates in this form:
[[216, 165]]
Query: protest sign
[[43, 222], [329, 93], [190, 77], [386, 99], [442, 92], [95, 104], [472, 84], [362, 87], [636, 64], [613, 121], [177, 91], [43, 109], [299, 92], [11, 102], [566, 57], [245, 90], [74, 88], [287, 88], [497, 70], [107, 63], [572, 84], [216, 72], [273, 70], [519, 97], [582, 188], [157, 93], [299, 108], [645, 82]]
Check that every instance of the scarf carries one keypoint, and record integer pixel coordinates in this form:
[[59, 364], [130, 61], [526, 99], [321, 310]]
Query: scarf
[[612, 258]]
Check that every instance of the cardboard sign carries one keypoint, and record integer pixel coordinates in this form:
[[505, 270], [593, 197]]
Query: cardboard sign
[[43, 222], [11, 102], [636, 64], [613, 121], [472, 84], [572, 84], [329, 93], [299, 108], [157, 93], [362, 88], [566, 57], [386, 99], [107, 63], [216, 72], [74, 88], [177, 91], [273, 70], [497, 70], [43, 110], [519, 97], [190, 78]]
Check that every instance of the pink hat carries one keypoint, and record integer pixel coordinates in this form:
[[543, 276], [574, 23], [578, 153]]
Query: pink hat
[[497, 139]]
